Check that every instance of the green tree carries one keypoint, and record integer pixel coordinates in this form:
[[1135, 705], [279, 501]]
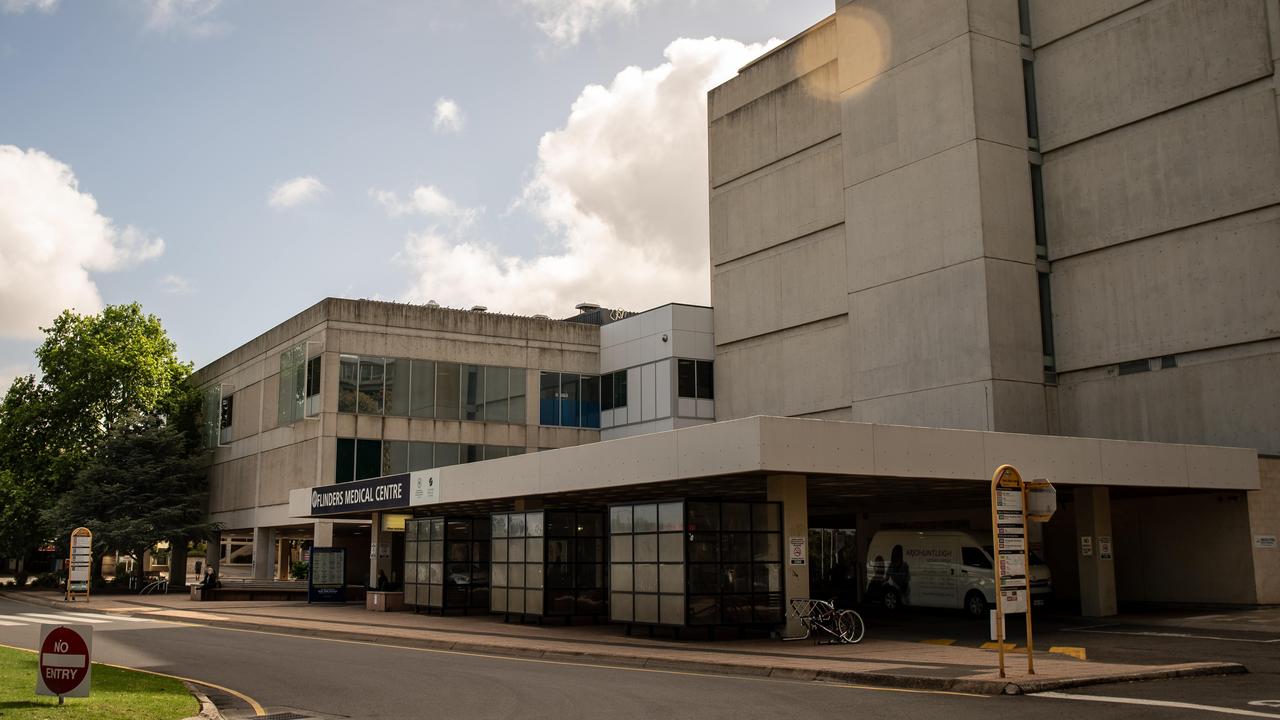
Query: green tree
[[141, 486]]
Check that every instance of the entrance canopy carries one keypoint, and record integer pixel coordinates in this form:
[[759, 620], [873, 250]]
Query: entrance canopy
[[845, 462]]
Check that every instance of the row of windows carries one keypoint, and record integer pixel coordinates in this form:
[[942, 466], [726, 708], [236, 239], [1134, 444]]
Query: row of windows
[[613, 390], [431, 389], [695, 379], [569, 400], [363, 459]]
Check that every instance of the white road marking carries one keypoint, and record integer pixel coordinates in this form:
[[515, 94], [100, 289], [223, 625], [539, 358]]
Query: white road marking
[[1206, 617], [99, 616], [6, 623], [1185, 636], [1157, 703], [46, 617]]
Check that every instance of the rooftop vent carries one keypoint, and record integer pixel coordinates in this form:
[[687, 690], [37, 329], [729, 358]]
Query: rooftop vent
[[433, 304], [541, 317], [479, 308], [586, 307]]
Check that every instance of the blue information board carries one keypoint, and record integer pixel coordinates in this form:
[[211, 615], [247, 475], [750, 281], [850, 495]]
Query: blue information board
[[327, 575]]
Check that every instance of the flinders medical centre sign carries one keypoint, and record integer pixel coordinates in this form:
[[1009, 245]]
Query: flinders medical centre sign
[[384, 493]]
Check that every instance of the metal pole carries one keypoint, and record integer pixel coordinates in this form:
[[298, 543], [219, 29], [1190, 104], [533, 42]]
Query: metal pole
[[1026, 562]]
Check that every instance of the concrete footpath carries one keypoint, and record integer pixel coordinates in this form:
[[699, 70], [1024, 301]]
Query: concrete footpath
[[874, 661]]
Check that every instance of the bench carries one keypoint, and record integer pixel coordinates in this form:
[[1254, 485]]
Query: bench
[[252, 590]]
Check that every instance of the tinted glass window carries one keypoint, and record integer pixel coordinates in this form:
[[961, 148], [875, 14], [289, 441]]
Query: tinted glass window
[[516, 412], [422, 397], [447, 390], [348, 373], [472, 392], [368, 459], [496, 388], [446, 454], [569, 400], [395, 457], [370, 398], [313, 376], [606, 392], [396, 382], [706, 380], [620, 389], [975, 558], [686, 378], [346, 466], [549, 399], [420, 456], [590, 401]]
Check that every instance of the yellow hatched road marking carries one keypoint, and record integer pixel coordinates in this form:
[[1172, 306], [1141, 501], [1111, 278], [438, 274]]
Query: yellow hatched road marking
[[1075, 652], [939, 641]]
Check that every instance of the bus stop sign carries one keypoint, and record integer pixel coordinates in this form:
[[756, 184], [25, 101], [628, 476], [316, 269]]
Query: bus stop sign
[[64, 660]]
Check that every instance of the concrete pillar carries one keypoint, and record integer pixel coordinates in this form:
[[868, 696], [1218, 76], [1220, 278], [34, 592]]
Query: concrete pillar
[[264, 553], [322, 534], [177, 564], [1098, 568], [379, 551], [212, 552], [793, 492]]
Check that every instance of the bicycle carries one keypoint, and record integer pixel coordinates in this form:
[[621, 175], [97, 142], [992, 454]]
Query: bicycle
[[841, 626]]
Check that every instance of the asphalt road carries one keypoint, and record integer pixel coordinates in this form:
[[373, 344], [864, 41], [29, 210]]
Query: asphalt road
[[326, 678]]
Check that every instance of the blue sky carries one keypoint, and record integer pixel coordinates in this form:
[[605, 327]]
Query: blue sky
[[462, 151]]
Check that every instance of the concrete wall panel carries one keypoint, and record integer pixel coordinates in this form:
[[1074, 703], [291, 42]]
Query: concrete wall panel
[[1215, 158], [794, 59], [1148, 298], [792, 372], [1053, 19], [967, 406], [798, 196], [1013, 321], [785, 286], [286, 468], [1264, 519], [232, 485], [877, 35], [1165, 55]]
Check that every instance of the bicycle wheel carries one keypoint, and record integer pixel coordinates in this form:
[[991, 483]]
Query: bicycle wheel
[[851, 627]]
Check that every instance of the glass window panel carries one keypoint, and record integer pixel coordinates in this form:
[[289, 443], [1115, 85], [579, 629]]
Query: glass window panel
[[735, 547], [533, 524], [559, 551], [686, 378], [646, 518], [500, 550], [472, 453], [646, 548], [448, 381], [706, 380], [671, 516], [435, 573], [515, 451], [671, 578], [515, 602], [515, 575], [704, 578], [590, 525], [533, 576], [736, 609], [370, 398], [458, 530], [590, 401], [560, 575], [646, 608], [590, 550], [767, 547], [606, 392], [498, 575], [765, 516], [498, 524], [315, 376], [346, 464], [671, 609], [348, 375], [767, 577], [737, 577], [457, 551], [704, 547], [646, 577], [498, 600], [472, 392], [424, 572], [368, 459], [533, 602], [396, 384], [704, 610], [620, 519], [560, 524], [516, 410], [620, 577], [533, 550], [704, 516], [621, 607], [435, 596], [591, 576], [437, 551], [569, 399], [735, 516], [496, 387], [446, 454], [515, 525], [671, 547], [411, 594], [395, 457], [620, 548], [549, 399], [422, 394], [437, 528], [620, 389], [515, 550], [420, 456]]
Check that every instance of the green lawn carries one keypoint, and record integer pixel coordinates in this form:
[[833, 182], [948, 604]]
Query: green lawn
[[116, 694]]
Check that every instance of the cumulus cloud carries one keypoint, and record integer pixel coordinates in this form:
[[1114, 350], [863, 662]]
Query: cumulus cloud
[[195, 17], [51, 237], [428, 201], [17, 7], [622, 191], [566, 21], [298, 191], [175, 285], [449, 117]]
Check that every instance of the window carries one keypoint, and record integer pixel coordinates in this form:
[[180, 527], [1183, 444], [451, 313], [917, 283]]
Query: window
[[314, 380], [225, 417], [211, 415], [472, 392], [613, 390], [370, 393], [368, 459], [975, 558], [606, 392], [694, 379], [395, 457], [346, 464], [293, 385], [348, 372], [569, 400], [447, 389], [516, 412], [496, 392], [421, 456], [396, 382], [401, 387]]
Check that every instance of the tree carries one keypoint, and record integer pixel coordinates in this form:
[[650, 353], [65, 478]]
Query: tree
[[142, 486], [97, 371]]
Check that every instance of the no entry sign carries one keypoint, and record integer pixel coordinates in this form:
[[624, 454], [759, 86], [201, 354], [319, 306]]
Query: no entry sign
[[64, 660]]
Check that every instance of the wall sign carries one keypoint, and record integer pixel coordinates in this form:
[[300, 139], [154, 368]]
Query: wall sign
[[797, 553], [1104, 547], [1264, 542], [424, 487], [1086, 546], [327, 575], [381, 493]]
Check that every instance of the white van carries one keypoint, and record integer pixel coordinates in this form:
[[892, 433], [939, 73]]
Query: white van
[[940, 568]]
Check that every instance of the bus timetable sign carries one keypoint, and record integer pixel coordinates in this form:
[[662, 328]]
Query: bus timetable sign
[[64, 660]]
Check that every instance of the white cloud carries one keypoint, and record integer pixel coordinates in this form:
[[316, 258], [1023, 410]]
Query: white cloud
[[298, 191], [51, 237], [566, 21], [622, 188], [190, 16], [428, 201], [175, 285], [17, 7], [449, 117]]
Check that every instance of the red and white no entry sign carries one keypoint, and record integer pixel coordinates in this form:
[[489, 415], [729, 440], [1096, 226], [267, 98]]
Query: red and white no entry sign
[[64, 660]]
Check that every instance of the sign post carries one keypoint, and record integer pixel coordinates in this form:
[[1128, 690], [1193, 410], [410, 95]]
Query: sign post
[[1013, 502], [80, 563], [327, 575], [64, 667]]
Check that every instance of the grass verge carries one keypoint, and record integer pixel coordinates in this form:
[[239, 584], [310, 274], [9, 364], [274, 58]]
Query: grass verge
[[117, 694]]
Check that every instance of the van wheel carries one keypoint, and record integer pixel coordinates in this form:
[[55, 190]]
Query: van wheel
[[891, 600], [975, 603]]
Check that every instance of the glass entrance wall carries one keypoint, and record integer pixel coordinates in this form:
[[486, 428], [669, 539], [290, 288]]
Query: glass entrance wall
[[447, 563], [548, 563], [696, 563]]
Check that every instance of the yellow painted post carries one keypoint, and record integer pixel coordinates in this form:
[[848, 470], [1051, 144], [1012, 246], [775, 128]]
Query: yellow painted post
[[1026, 567], [995, 545]]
